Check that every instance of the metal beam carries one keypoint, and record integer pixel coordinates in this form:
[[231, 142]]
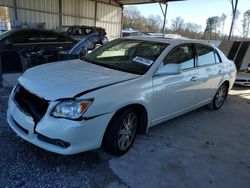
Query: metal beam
[[95, 19], [234, 9], [15, 10], [136, 2], [122, 21], [60, 12], [164, 12], [116, 3]]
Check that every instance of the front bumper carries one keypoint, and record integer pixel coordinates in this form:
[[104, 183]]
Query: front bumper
[[78, 136]]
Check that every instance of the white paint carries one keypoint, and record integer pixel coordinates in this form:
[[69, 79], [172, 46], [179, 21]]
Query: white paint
[[164, 97], [50, 80]]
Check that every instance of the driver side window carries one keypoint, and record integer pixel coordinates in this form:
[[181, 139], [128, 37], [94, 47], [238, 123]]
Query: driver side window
[[182, 55]]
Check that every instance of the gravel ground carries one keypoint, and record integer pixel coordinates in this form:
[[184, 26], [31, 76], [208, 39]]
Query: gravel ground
[[25, 165], [200, 149]]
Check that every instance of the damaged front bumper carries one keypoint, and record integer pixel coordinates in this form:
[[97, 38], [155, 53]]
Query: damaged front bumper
[[60, 136]]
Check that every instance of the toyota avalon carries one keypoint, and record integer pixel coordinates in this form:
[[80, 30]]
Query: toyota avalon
[[119, 90]]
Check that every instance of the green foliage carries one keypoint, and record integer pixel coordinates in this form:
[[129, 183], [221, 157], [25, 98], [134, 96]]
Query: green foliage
[[246, 23], [212, 26], [133, 19], [177, 24], [153, 24]]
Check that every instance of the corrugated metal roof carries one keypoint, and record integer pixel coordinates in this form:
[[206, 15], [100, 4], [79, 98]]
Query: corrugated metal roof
[[131, 2]]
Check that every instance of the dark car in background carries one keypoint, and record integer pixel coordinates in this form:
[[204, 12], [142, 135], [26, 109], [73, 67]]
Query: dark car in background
[[13, 41], [78, 32]]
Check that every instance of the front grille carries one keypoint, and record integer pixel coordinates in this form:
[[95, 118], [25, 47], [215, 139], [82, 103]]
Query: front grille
[[35, 106]]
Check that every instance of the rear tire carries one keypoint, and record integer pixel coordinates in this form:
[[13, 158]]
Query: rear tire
[[121, 132], [219, 97]]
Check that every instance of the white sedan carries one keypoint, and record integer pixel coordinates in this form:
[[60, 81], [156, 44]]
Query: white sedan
[[120, 89]]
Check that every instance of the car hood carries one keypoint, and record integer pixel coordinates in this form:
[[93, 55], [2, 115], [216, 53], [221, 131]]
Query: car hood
[[66, 79]]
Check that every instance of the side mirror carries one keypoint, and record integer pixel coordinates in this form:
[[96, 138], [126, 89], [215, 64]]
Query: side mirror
[[8, 42], [169, 69]]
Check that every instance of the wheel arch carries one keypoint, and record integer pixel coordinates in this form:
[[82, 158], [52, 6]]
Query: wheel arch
[[225, 82], [143, 115]]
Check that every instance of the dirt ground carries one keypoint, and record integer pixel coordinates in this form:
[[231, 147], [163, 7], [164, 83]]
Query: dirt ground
[[200, 149]]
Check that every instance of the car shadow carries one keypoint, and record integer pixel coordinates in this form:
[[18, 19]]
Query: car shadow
[[240, 88]]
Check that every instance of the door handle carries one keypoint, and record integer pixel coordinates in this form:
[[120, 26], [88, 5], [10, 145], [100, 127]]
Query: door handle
[[220, 72], [194, 78]]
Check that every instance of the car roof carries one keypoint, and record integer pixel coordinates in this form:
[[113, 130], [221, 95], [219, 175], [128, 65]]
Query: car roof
[[175, 41], [27, 29], [84, 26], [16, 30]]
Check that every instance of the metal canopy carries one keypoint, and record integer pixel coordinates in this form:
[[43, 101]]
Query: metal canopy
[[133, 2]]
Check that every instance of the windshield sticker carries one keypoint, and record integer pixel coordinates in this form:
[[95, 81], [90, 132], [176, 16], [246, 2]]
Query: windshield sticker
[[143, 61]]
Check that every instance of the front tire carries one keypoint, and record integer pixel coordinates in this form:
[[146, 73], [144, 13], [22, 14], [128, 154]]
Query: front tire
[[121, 132], [219, 97]]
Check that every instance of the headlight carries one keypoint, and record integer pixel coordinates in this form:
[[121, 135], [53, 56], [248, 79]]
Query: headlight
[[71, 109]]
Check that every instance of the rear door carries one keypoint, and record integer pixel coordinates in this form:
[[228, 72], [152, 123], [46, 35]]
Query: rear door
[[175, 94], [210, 72]]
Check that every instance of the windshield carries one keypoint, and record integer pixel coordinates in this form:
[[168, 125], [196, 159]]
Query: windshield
[[133, 56], [62, 29]]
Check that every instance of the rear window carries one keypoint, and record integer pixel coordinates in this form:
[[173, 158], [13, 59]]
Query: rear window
[[205, 55], [51, 37], [62, 29], [23, 36], [217, 57], [102, 32]]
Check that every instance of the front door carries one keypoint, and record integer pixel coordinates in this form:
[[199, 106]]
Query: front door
[[175, 94]]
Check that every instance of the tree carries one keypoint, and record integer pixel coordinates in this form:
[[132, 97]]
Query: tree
[[192, 27], [246, 23], [177, 24], [132, 18], [152, 24], [212, 26], [222, 21]]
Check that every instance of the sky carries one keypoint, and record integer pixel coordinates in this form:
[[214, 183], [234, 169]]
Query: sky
[[197, 11]]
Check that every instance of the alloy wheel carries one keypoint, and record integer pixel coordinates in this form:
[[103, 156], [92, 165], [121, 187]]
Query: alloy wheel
[[127, 131], [220, 96]]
